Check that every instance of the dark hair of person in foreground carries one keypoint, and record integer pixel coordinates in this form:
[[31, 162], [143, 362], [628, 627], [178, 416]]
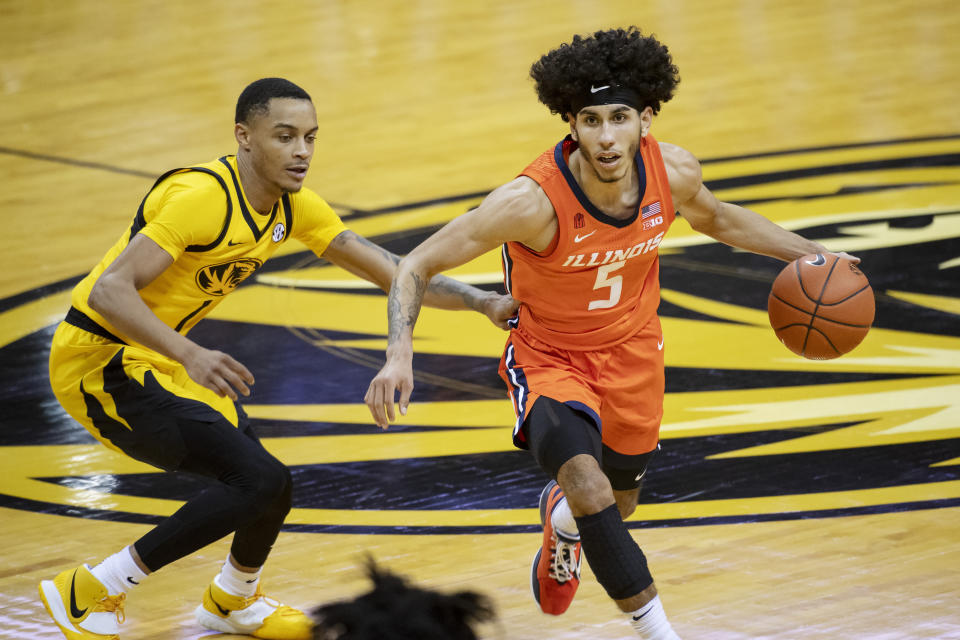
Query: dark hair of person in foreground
[[396, 610]]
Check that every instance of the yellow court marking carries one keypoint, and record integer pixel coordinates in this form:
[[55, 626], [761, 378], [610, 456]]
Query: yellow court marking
[[889, 412], [32, 316], [470, 413], [940, 303], [913, 410], [690, 343]]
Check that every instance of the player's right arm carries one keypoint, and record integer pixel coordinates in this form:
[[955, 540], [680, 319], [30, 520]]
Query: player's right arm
[[727, 222], [115, 296], [518, 211]]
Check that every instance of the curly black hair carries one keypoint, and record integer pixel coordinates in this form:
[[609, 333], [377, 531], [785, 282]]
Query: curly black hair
[[396, 610], [619, 57]]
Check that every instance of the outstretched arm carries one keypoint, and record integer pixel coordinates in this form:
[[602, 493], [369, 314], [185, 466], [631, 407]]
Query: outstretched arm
[[373, 263], [517, 211], [729, 223]]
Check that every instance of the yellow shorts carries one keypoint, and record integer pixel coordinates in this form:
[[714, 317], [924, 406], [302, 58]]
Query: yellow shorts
[[114, 389]]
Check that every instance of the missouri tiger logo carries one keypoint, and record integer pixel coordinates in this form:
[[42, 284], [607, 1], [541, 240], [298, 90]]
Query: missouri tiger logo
[[750, 431], [221, 279]]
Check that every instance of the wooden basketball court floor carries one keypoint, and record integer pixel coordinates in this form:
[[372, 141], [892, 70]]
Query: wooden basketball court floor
[[792, 499]]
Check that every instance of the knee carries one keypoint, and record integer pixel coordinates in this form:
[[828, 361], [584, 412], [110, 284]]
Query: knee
[[280, 489], [273, 488], [587, 489]]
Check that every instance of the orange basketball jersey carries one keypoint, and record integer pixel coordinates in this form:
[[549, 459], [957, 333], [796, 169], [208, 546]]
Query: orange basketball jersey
[[599, 284]]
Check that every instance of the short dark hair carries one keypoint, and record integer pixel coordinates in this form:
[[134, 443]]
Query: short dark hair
[[616, 57], [255, 98], [396, 610]]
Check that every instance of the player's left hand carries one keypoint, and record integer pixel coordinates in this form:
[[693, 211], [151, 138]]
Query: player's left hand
[[500, 308], [396, 375]]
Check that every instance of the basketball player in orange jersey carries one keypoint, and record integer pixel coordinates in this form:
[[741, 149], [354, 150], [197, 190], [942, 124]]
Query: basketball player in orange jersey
[[579, 231], [122, 366]]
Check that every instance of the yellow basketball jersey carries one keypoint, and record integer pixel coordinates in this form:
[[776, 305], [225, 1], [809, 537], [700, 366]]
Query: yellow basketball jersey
[[201, 217]]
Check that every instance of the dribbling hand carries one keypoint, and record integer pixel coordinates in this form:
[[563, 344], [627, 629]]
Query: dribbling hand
[[844, 254]]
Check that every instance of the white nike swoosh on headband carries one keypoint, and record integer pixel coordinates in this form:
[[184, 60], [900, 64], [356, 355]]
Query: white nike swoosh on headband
[[594, 89]]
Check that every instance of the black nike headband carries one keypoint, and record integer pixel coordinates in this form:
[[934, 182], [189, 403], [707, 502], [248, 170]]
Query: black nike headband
[[607, 94]]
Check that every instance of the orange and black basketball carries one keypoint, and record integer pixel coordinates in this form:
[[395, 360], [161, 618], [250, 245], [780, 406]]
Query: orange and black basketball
[[821, 306]]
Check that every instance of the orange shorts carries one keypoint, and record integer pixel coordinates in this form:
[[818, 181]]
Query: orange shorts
[[620, 387]]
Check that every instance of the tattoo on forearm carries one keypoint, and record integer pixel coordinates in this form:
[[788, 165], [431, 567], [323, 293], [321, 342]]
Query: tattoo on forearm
[[419, 286], [402, 316], [443, 286], [393, 315], [445, 290], [392, 257]]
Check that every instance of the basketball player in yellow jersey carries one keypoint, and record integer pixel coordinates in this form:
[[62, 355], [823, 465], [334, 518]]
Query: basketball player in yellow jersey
[[122, 366]]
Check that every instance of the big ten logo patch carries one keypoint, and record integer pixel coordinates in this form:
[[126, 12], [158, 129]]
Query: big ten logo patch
[[652, 222]]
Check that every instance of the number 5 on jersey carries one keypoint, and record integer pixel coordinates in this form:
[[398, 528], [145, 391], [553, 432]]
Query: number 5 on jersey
[[604, 280]]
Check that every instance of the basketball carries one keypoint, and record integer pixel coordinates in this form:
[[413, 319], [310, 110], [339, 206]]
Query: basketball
[[821, 306]]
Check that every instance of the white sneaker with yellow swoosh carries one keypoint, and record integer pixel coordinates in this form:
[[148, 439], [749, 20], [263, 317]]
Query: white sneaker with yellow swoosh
[[257, 616], [81, 606]]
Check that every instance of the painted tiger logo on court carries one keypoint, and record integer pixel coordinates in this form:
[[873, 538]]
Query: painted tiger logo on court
[[221, 279], [750, 432]]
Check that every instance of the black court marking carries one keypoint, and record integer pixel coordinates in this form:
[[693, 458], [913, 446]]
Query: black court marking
[[74, 162], [685, 470], [32, 414], [16, 300], [911, 162], [12, 502], [834, 147]]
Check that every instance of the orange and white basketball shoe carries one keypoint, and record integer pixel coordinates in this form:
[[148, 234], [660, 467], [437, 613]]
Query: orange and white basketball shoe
[[257, 616], [555, 574], [81, 606]]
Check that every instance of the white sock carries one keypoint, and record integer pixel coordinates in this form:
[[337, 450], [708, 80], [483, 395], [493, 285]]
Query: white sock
[[651, 622], [236, 582], [119, 573], [562, 519]]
